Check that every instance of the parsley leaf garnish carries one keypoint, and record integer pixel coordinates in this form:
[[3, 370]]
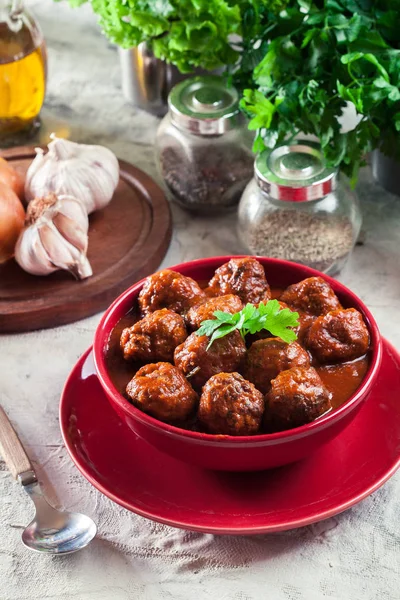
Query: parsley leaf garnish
[[252, 319]]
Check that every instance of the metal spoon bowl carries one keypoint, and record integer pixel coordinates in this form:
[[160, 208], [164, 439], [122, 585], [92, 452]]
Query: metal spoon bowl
[[75, 532], [55, 531], [51, 531]]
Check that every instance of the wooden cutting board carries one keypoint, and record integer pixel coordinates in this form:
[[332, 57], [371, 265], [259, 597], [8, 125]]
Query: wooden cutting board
[[127, 241]]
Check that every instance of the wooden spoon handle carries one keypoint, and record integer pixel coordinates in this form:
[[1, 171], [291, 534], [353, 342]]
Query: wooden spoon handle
[[11, 448]]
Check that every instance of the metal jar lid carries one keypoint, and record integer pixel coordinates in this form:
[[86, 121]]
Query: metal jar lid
[[295, 172], [204, 105]]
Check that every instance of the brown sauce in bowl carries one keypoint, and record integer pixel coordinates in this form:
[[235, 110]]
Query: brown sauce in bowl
[[120, 370], [342, 379]]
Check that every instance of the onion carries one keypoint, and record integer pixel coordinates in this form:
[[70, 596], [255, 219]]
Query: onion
[[12, 218], [12, 178]]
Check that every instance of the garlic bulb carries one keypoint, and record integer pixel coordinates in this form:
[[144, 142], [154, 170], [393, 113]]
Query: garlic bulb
[[55, 237], [90, 173]]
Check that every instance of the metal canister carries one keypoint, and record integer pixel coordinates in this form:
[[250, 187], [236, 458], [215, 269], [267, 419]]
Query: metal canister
[[147, 80]]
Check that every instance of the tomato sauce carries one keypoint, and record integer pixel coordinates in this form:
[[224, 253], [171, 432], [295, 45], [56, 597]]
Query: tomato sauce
[[342, 380]]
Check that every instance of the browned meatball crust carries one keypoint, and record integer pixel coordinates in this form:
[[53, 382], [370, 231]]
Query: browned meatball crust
[[305, 320], [168, 289], [244, 277], [267, 358], [199, 364], [229, 303], [339, 336], [162, 391], [313, 295], [231, 405], [297, 396], [154, 337]]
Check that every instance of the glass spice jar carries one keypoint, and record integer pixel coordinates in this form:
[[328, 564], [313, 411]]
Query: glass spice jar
[[22, 72], [203, 146], [295, 208]]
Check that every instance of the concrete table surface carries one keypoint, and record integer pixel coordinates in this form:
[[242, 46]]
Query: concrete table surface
[[354, 556]]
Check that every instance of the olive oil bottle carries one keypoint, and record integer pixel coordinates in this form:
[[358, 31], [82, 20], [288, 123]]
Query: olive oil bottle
[[22, 71]]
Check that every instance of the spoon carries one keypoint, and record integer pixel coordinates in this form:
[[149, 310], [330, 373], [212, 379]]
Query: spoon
[[52, 531]]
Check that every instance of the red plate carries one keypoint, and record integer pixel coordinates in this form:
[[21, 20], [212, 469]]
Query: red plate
[[145, 481]]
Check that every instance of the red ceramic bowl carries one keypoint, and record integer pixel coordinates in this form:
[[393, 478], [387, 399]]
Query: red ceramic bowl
[[245, 453]]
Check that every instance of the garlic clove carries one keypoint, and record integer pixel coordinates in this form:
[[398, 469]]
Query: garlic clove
[[62, 253], [71, 232], [55, 237], [30, 254], [58, 249], [75, 211]]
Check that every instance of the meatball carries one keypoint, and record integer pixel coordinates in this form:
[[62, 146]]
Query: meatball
[[231, 405], [266, 358], [243, 277], [167, 289], [339, 336], [229, 303], [199, 364], [162, 391], [154, 337], [297, 396], [305, 320], [313, 295]]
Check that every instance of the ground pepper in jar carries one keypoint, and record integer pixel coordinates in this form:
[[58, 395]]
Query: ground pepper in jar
[[297, 209], [203, 146], [212, 185]]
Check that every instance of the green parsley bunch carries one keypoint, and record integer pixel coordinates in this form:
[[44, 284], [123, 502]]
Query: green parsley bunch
[[317, 56], [267, 316]]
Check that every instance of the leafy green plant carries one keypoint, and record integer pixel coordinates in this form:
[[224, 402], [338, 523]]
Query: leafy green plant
[[321, 54], [297, 62], [187, 33], [267, 316]]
